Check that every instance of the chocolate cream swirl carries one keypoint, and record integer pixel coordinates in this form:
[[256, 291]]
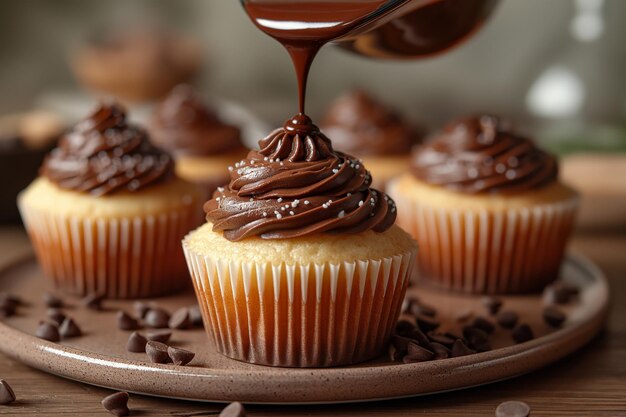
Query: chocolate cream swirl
[[103, 155], [296, 185], [482, 154], [184, 125]]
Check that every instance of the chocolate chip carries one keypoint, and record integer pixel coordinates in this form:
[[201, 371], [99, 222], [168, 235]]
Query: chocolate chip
[[157, 318], [460, 349], [395, 354], [440, 351], [492, 304], [416, 353], [441, 338], [10, 298], [507, 319], [420, 337], [233, 410], [117, 404], [141, 308], [7, 396], [56, 315], [195, 316], [157, 352], [126, 322], [180, 319], [404, 327], [93, 301], [483, 324], [180, 356], [8, 305], [559, 293], [136, 343], [48, 331], [513, 409], [162, 336], [51, 300], [553, 316], [477, 338], [426, 324], [522, 333], [69, 328]]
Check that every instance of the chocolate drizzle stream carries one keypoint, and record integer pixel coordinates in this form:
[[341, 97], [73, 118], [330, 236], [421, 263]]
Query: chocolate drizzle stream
[[483, 155], [184, 125], [103, 155], [295, 185]]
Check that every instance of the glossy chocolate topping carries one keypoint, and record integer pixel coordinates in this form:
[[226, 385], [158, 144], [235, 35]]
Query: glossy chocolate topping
[[483, 155], [362, 126], [297, 185], [103, 154], [184, 125]]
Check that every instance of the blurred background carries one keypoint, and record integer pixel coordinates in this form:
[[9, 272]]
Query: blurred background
[[556, 68]]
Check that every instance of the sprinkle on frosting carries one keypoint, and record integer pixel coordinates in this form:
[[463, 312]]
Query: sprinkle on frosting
[[482, 154], [295, 185], [103, 154]]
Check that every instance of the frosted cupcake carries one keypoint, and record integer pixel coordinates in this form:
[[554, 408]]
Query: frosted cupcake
[[486, 208], [366, 128], [107, 213], [204, 146], [300, 263]]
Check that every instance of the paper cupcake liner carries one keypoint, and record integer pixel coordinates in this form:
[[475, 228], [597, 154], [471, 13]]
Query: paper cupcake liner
[[482, 251], [300, 315], [121, 257]]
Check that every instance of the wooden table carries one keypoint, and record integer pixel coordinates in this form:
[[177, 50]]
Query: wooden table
[[592, 382]]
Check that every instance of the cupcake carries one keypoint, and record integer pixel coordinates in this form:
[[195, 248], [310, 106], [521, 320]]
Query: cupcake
[[136, 65], [300, 263], [203, 145], [107, 213], [487, 209], [368, 129]]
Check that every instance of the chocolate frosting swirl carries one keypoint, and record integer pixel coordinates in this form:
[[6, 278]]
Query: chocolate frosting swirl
[[103, 154], [184, 125], [482, 154], [362, 126], [295, 185]]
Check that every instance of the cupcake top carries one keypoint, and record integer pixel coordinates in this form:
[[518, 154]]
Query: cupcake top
[[184, 125], [103, 155], [481, 154], [362, 126], [296, 185]]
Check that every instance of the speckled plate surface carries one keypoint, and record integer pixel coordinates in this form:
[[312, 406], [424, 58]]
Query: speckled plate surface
[[99, 357]]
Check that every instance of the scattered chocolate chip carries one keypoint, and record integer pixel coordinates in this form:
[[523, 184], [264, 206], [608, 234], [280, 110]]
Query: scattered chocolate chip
[[440, 351], [157, 352], [141, 308], [162, 336], [492, 304], [7, 396], [136, 343], [416, 353], [522, 333], [117, 404], [52, 301], [460, 349], [419, 336], [180, 356], [157, 318], [464, 316], [195, 316], [233, 410], [93, 301], [426, 324], [559, 293], [507, 319], [69, 328], [553, 316], [395, 354], [126, 322], [7, 310], [8, 305], [10, 298], [476, 338], [56, 315], [48, 331], [483, 324], [513, 409], [441, 338], [180, 319], [404, 327]]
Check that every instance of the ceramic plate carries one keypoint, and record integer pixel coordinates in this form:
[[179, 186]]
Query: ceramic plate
[[99, 357]]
